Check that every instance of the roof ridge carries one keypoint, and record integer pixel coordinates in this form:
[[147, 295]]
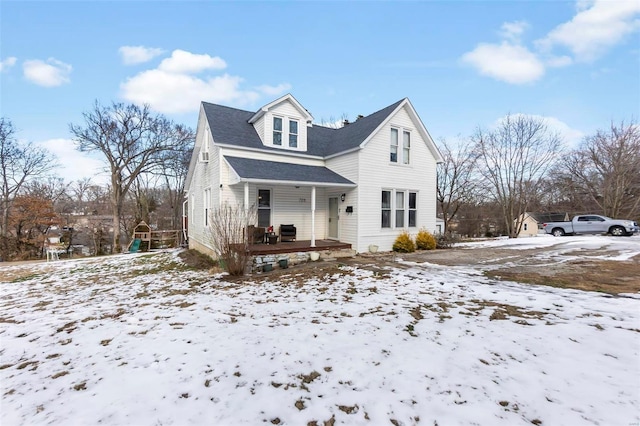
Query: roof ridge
[[227, 107]]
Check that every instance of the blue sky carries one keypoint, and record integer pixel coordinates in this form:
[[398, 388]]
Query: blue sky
[[463, 64]]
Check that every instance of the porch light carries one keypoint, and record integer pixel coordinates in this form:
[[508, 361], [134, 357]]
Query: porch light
[[343, 196]]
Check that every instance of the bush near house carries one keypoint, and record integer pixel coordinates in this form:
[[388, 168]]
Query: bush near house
[[404, 243], [425, 241]]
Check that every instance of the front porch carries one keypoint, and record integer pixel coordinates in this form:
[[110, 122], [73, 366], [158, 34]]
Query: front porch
[[297, 246]]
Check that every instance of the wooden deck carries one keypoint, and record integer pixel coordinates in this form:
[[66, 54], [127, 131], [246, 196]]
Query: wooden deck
[[296, 246]]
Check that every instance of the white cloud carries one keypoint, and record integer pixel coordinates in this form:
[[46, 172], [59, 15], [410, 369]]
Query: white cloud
[[74, 164], [558, 61], [182, 92], [513, 30], [273, 90], [508, 62], [7, 63], [598, 26], [187, 62], [48, 74], [132, 55]]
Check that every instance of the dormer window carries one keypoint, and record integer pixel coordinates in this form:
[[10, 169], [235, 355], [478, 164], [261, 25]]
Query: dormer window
[[293, 134], [277, 131]]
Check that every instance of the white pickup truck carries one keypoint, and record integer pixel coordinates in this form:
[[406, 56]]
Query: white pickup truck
[[592, 224]]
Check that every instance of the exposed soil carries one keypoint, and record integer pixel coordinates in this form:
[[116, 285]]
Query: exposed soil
[[526, 266]]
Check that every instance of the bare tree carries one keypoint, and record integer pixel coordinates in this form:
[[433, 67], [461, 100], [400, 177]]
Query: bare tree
[[133, 141], [606, 169], [514, 158], [336, 123], [174, 174], [457, 182], [80, 191], [19, 163], [227, 234]]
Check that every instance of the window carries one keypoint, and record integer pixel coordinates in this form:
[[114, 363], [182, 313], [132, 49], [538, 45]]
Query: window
[[413, 209], [277, 131], [394, 146], [400, 154], [404, 204], [525, 226], [406, 146], [399, 209], [204, 150], [264, 208], [293, 134], [207, 205], [386, 209]]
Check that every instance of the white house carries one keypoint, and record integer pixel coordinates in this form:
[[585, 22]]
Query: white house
[[360, 184]]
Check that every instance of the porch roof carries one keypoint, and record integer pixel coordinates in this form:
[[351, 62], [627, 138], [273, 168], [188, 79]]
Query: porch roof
[[251, 170]]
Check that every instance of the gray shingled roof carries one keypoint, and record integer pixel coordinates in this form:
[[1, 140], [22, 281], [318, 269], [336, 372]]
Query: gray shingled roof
[[549, 217], [250, 169], [230, 126]]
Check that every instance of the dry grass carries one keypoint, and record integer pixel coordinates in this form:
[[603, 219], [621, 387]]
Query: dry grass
[[606, 276]]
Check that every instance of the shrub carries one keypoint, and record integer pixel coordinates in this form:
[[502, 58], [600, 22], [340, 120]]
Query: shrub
[[404, 243], [445, 241], [227, 235], [425, 241]]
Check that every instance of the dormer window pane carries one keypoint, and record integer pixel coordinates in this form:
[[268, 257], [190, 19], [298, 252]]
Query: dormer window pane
[[293, 134], [277, 131]]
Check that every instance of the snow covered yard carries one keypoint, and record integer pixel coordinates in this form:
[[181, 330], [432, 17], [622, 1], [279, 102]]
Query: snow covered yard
[[144, 340]]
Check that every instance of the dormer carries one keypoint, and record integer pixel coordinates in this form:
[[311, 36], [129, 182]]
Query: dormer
[[283, 124]]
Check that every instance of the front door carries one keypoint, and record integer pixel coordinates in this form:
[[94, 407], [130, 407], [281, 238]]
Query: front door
[[333, 218]]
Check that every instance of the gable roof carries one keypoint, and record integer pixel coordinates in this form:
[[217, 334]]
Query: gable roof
[[230, 126], [288, 97], [549, 217], [250, 170]]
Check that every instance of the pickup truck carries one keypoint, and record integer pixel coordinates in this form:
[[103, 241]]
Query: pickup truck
[[592, 224]]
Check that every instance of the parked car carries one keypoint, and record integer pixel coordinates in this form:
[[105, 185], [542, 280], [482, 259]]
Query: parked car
[[592, 224]]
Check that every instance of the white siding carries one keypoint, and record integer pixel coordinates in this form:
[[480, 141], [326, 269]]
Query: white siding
[[205, 175], [346, 165], [259, 126], [285, 110], [377, 173]]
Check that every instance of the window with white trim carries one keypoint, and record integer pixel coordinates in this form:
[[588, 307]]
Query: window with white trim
[[207, 205], [204, 149], [399, 209], [406, 146], [293, 134], [413, 209], [400, 154], [394, 146], [386, 209], [277, 131], [403, 204]]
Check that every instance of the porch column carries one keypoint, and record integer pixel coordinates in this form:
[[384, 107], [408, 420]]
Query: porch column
[[313, 216], [246, 197]]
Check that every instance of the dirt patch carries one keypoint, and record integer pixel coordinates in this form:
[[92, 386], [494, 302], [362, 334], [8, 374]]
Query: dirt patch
[[612, 277], [533, 266], [197, 260]]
